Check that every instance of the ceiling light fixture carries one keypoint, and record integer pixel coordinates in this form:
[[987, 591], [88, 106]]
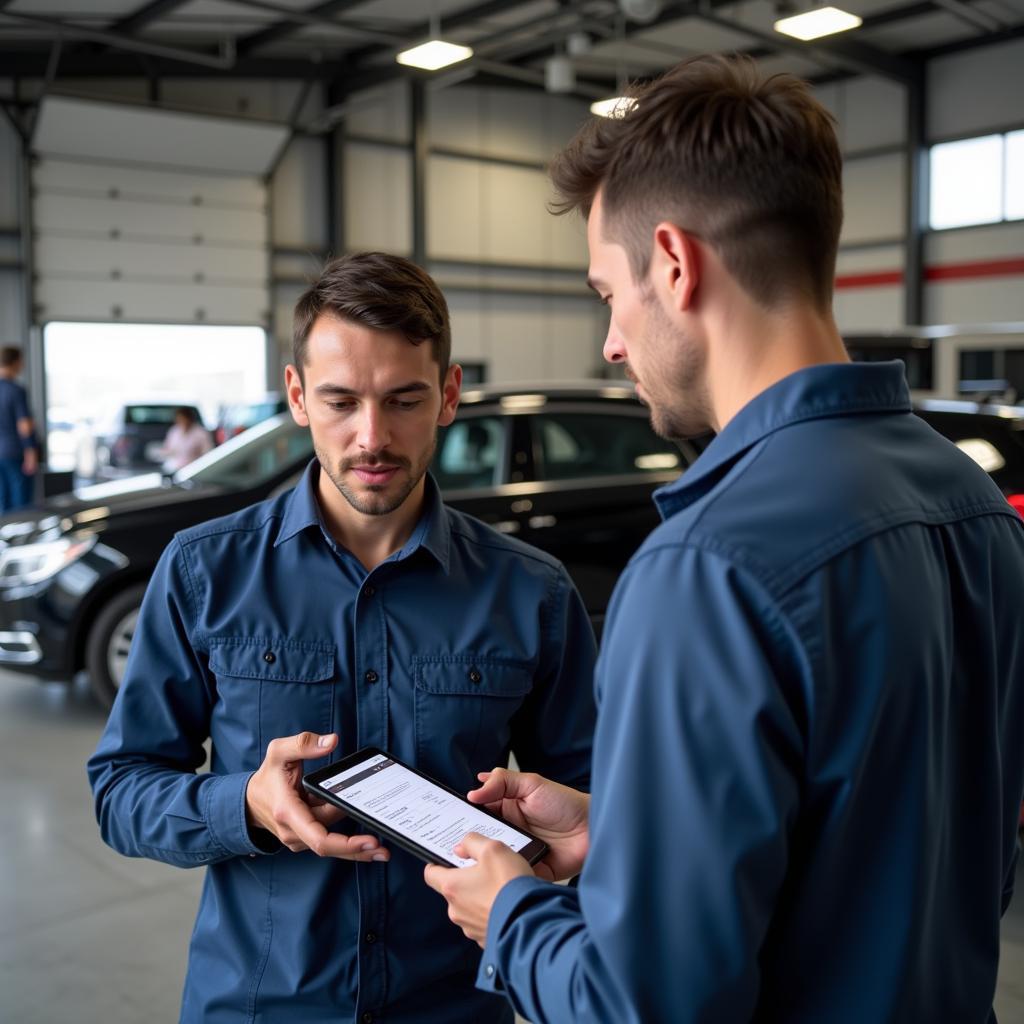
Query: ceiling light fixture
[[434, 55], [614, 106], [822, 21]]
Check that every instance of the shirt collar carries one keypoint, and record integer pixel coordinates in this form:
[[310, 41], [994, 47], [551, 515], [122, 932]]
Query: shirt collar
[[817, 392], [432, 532]]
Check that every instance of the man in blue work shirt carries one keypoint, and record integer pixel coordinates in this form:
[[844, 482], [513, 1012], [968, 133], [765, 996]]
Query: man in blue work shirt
[[355, 610], [809, 756], [19, 455]]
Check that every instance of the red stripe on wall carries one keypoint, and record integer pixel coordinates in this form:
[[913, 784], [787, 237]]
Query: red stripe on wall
[[945, 272], [876, 280], [985, 268]]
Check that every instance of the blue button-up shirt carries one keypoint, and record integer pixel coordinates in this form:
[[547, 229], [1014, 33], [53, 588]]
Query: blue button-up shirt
[[810, 750], [459, 647]]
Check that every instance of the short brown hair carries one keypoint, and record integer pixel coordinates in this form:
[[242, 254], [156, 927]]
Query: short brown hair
[[746, 162], [378, 290], [10, 355]]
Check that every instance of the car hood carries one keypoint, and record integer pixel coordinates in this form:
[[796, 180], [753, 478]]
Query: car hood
[[91, 509]]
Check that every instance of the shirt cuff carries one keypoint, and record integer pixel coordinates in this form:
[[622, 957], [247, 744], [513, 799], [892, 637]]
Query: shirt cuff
[[509, 897], [225, 817]]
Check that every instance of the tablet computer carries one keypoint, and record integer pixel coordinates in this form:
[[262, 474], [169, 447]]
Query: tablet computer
[[412, 810]]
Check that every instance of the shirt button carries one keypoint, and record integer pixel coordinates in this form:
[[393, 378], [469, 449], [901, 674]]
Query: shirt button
[[269, 657], [474, 675], [369, 591], [367, 1018], [370, 938], [371, 676], [489, 970]]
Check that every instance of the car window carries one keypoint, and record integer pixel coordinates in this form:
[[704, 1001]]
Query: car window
[[253, 457], [576, 445], [470, 453], [143, 414]]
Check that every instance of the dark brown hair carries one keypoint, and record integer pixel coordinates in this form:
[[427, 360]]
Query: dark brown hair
[[378, 290], [746, 162], [10, 355]]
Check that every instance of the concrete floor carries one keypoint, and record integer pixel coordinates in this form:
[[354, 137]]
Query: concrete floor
[[92, 937]]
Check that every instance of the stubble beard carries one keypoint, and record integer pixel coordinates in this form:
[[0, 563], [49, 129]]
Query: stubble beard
[[679, 406], [377, 499]]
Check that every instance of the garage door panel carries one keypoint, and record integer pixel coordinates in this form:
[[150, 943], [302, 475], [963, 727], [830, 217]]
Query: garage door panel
[[61, 255], [102, 217], [98, 180], [85, 298]]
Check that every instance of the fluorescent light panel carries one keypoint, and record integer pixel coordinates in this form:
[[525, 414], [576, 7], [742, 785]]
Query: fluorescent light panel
[[614, 106], [822, 21], [434, 55]]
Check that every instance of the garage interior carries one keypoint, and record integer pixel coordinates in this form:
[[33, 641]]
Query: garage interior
[[185, 166]]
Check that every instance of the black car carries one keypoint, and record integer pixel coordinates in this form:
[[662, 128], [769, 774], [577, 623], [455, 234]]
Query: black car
[[992, 434], [569, 469], [128, 443]]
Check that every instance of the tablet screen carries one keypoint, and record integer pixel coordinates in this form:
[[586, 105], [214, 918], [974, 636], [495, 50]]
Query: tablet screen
[[414, 807]]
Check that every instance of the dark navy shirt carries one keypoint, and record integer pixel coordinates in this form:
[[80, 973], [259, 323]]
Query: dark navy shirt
[[809, 759], [13, 407], [459, 647]]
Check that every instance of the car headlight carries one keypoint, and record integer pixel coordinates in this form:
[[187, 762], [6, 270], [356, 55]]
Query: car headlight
[[24, 564]]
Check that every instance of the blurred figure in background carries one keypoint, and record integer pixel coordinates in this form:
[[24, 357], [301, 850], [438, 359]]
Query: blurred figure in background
[[19, 451], [185, 442]]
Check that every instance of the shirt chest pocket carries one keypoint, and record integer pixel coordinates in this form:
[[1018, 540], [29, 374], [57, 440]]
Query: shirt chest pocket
[[464, 711], [281, 687]]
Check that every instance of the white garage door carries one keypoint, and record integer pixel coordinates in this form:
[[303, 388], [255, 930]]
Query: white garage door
[[144, 215]]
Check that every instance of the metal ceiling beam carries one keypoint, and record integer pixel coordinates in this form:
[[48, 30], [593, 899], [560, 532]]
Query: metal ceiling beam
[[849, 53], [970, 16], [146, 15], [281, 29], [460, 19], [319, 20], [69, 30], [84, 64]]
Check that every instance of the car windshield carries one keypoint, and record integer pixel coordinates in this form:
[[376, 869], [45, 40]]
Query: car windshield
[[142, 414], [252, 458]]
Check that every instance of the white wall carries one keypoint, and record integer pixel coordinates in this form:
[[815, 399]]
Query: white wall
[[512, 273]]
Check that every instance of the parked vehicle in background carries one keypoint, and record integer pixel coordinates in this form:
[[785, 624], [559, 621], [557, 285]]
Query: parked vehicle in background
[[992, 434], [568, 468], [129, 442], [241, 416]]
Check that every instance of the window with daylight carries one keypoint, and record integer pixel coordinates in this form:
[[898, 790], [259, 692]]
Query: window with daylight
[[976, 181]]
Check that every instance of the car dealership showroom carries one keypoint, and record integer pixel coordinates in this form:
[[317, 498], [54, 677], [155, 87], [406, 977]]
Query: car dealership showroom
[[381, 384]]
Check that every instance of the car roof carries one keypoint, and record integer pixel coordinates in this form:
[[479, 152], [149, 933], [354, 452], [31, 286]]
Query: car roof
[[963, 407], [565, 389]]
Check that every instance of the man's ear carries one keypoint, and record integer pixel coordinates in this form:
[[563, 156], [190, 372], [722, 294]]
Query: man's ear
[[450, 392], [296, 396], [675, 265]]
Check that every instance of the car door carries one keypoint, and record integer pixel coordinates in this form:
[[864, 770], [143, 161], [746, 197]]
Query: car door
[[480, 463], [595, 468]]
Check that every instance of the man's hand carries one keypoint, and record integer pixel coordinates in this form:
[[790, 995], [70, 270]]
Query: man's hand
[[30, 462], [471, 892], [555, 813], [275, 801]]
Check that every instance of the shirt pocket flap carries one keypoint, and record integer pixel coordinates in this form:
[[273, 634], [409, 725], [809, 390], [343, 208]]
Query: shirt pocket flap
[[469, 676], [292, 661]]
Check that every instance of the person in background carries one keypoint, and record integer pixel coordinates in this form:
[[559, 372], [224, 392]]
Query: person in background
[[809, 757], [354, 610], [19, 451], [185, 441]]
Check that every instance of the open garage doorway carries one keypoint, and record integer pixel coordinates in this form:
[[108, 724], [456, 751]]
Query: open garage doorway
[[112, 388]]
